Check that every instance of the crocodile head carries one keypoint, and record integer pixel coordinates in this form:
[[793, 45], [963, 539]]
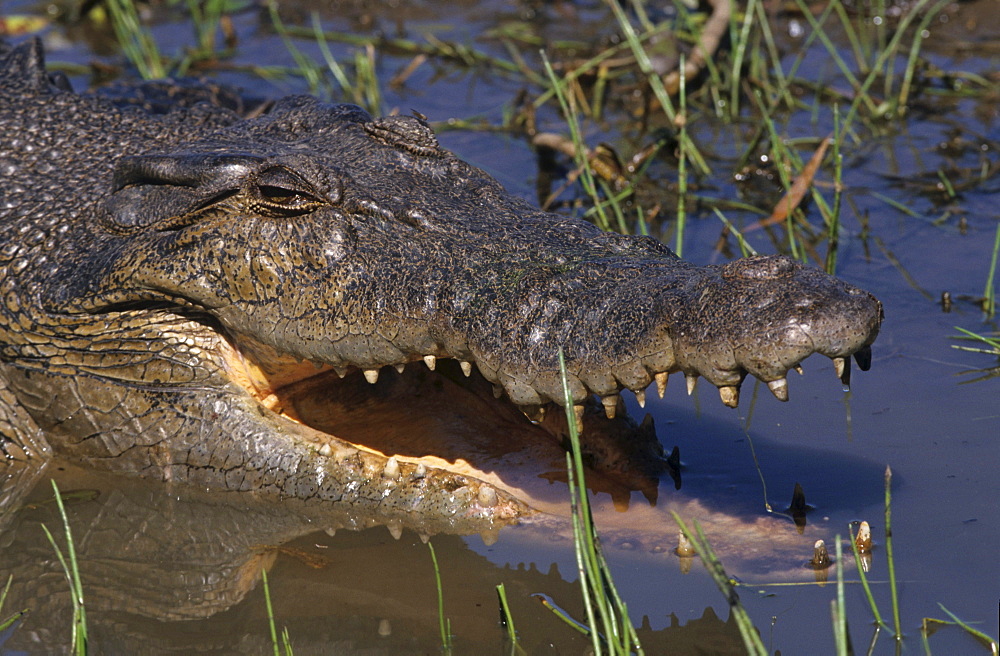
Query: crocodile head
[[318, 234], [221, 277]]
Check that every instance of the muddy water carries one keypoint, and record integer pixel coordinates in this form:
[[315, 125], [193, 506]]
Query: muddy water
[[176, 569]]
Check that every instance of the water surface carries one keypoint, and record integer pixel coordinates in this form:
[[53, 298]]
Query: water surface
[[176, 570]]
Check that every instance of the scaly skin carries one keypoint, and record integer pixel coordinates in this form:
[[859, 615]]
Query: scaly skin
[[172, 282]]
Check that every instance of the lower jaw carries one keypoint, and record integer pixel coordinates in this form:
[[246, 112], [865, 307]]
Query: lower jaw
[[447, 421]]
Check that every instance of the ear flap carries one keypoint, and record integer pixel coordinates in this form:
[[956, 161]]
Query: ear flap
[[164, 192]]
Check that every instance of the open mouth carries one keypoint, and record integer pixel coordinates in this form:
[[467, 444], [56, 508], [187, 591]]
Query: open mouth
[[407, 427], [447, 420]]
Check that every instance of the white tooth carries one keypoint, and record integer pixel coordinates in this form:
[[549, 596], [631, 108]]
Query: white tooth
[[430, 361], [487, 496], [661, 383], [610, 405], [400, 367], [325, 450], [385, 626], [391, 469], [864, 538], [691, 380], [466, 368], [730, 395], [839, 364], [395, 530], [640, 396], [330, 531], [779, 388], [341, 371], [371, 375], [798, 369], [821, 558]]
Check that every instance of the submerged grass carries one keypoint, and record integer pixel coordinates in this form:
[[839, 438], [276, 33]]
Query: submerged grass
[[282, 647], [608, 624], [507, 621], [72, 572], [7, 623], [444, 624]]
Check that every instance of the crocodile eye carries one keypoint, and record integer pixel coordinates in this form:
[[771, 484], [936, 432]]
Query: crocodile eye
[[280, 192], [288, 198]]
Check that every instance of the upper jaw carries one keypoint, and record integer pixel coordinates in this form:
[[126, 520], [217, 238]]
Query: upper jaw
[[760, 316]]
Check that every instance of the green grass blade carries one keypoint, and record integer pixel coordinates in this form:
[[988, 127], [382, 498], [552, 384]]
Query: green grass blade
[[7, 623], [838, 608], [270, 612], [990, 292], [990, 643], [136, 39], [444, 625], [897, 627], [863, 576], [72, 571]]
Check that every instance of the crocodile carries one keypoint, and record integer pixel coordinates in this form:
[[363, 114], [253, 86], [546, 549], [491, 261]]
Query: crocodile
[[185, 290]]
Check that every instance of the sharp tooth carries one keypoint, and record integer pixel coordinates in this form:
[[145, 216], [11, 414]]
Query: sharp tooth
[[325, 450], [578, 411], [730, 395], [839, 364], [661, 383], [863, 539], [864, 358], [487, 496], [391, 469], [371, 375], [820, 559], [610, 405], [395, 530], [779, 388], [843, 367], [497, 391], [798, 369], [691, 380], [341, 371], [640, 396], [400, 367], [466, 368], [430, 361]]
